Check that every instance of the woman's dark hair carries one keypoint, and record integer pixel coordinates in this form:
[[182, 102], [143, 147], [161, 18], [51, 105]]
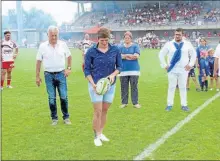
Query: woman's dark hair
[[103, 33]]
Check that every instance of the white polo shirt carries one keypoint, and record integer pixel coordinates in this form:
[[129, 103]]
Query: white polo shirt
[[53, 58], [188, 56], [217, 55]]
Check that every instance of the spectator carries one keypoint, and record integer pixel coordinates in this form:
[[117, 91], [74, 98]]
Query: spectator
[[130, 71]]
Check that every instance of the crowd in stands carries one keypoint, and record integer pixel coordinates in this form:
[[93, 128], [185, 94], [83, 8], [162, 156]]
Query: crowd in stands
[[184, 13], [101, 21], [212, 15], [160, 15]]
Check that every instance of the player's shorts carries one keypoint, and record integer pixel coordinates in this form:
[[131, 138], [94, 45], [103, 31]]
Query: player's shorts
[[192, 73], [108, 97], [8, 65]]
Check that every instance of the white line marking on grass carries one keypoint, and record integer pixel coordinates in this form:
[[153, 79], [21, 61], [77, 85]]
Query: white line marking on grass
[[152, 147]]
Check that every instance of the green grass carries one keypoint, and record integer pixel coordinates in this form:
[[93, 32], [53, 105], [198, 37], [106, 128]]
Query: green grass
[[197, 140], [27, 133]]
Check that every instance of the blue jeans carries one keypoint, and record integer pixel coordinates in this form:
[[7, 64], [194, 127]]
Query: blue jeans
[[53, 81], [108, 97]]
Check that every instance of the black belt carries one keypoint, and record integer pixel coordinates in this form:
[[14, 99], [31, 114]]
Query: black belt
[[53, 72]]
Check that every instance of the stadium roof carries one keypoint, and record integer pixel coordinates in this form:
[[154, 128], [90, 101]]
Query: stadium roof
[[100, 5], [82, 1], [118, 2]]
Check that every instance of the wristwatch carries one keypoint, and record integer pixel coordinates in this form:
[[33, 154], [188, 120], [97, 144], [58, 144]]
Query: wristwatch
[[69, 68]]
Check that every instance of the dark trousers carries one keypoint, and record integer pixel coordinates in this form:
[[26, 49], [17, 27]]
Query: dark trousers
[[200, 80], [54, 81], [125, 80]]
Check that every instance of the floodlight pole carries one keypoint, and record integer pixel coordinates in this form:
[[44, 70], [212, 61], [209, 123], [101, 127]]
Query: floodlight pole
[[82, 7], [106, 9], [131, 6], [19, 21], [78, 9]]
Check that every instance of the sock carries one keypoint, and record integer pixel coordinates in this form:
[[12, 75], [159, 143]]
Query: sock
[[206, 84], [2, 83], [9, 82], [202, 85]]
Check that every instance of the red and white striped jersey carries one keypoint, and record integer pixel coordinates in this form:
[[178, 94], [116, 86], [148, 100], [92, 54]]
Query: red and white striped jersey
[[86, 44], [7, 48]]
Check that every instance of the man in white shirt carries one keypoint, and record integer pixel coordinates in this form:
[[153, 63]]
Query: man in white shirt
[[178, 65], [85, 45], [53, 54], [8, 55], [217, 66]]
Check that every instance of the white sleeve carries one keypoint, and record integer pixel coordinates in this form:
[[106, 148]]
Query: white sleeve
[[163, 52], [217, 52], [193, 55], [40, 53]]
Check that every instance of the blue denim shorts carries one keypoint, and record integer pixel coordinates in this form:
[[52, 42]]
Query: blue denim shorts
[[108, 97]]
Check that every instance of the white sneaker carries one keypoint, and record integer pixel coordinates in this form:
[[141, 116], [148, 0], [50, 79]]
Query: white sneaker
[[123, 105], [137, 106], [217, 90], [67, 121], [211, 89], [1, 88], [9, 87], [103, 138], [54, 122], [97, 142]]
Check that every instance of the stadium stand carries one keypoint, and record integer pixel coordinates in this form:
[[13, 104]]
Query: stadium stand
[[171, 14]]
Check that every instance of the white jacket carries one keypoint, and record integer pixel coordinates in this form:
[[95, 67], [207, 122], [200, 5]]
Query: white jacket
[[188, 56]]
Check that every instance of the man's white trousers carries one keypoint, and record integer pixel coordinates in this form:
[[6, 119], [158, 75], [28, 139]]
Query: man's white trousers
[[173, 80]]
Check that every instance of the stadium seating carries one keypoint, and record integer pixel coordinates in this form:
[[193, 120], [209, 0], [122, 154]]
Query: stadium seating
[[144, 16]]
